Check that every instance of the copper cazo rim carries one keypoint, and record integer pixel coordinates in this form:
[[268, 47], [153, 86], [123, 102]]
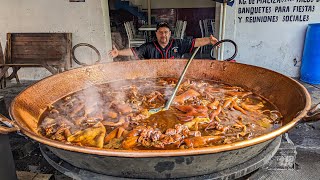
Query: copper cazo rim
[[164, 153]]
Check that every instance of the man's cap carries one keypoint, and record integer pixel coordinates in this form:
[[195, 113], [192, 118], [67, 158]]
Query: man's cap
[[163, 24]]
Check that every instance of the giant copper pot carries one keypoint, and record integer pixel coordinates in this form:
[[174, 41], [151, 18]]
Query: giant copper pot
[[287, 94]]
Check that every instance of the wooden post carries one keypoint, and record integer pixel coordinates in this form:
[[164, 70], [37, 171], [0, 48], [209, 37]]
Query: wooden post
[[149, 12]]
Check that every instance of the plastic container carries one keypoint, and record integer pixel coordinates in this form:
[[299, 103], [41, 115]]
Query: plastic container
[[310, 66]]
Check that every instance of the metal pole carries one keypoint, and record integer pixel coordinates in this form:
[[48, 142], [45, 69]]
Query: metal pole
[[7, 167], [149, 19], [224, 15], [107, 26], [149, 12]]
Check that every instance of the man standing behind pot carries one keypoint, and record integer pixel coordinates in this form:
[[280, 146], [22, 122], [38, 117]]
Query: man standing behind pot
[[164, 47]]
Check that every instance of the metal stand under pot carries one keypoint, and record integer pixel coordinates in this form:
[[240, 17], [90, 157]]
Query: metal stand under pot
[[7, 167], [230, 173]]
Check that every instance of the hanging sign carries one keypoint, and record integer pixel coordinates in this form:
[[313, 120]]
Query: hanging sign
[[273, 11]]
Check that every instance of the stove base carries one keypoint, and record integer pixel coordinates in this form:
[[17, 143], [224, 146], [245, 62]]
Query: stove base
[[230, 173]]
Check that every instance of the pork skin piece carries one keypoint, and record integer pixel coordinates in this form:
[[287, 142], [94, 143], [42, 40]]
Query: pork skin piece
[[190, 93]]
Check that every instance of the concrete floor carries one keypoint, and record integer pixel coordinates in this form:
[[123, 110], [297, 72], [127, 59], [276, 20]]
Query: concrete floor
[[305, 136]]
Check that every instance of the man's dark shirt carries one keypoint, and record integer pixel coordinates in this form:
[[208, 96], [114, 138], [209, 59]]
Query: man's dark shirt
[[175, 49]]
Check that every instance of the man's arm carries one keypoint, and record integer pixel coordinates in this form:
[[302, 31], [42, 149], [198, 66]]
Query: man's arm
[[205, 41], [124, 52]]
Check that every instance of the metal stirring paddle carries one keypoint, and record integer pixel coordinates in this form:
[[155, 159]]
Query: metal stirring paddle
[[168, 103]]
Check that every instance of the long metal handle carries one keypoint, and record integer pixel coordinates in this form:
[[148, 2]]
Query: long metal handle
[[223, 41], [6, 130], [313, 114], [166, 107]]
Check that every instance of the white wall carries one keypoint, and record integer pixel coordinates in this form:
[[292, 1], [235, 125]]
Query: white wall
[[273, 45], [85, 20]]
